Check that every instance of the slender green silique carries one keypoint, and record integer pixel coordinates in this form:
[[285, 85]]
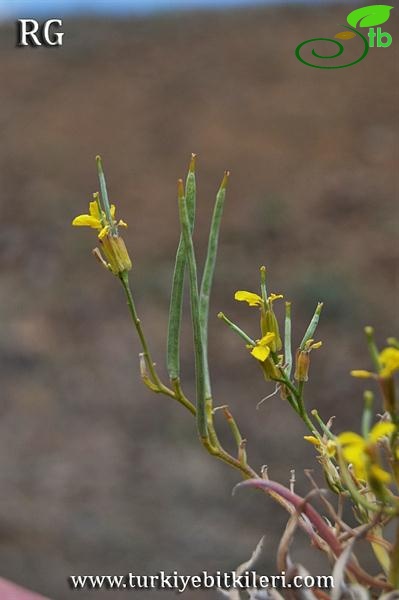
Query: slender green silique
[[312, 325], [321, 424], [263, 284], [367, 416], [236, 329], [369, 331], [207, 278], [287, 340], [194, 297], [104, 196], [176, 298]]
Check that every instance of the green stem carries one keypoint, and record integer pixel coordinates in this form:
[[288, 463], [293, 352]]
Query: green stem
[[394, 567], [289, 385], [298, 395], [302, 410], [242, 456], [293, 403], [322, 425], [181, 397], [124, 278]]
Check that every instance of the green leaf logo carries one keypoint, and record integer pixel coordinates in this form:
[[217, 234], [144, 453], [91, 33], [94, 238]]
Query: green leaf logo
[[369, 16]]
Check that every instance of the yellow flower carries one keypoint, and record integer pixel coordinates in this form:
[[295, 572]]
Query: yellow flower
[[274, 297], [389, 359], [117, 259], [312, 440], [96, 219], [116, 253], [262, 349], [362, 374], [255, 299], [389, 363], [362, 452], [250, 297], [327, 447], [302, 360], [268, 321]]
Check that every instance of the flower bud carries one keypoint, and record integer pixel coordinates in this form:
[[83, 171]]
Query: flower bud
[[388, 391], [116, 254], [302, 363], [270, 370], [144, 374], [269, 323]]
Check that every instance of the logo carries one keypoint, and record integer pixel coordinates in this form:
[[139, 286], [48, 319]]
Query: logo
[[369, 17], [31, 33]]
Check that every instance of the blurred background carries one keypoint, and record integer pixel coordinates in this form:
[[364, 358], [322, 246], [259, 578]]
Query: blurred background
[[99, 476]]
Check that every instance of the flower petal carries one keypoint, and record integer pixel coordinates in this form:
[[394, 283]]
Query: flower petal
[[380, 430], [361, 373], [122, 223], [355, 455], [380, 474], [316, 345], [331, 448], [266, 339], [350, 438], [312, 439], [250, 297], [86, 221], [360, 470], [274, 297], [389, 359], [112, 210], [103, 232], [260, 352], [94, 210]]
